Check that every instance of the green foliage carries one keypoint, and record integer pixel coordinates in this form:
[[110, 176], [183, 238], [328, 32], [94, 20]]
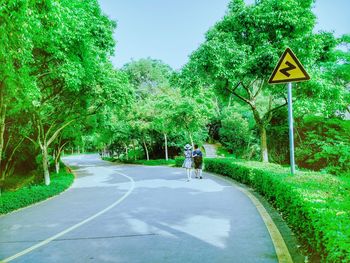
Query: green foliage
[[179, 161], [223, 152], [241, 50], [315, 205], [170, 162], [137, 154], [17, 181], [148, 76], [10, 201], [278, 137], [235, 133], [109, 159], [324, 145], [56, 71]]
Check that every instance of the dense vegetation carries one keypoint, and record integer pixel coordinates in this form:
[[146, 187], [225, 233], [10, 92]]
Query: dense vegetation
[[60, 92], [222, 94], [55, 79]]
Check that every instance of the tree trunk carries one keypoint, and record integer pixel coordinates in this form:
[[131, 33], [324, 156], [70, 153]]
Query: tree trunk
[[2, 126], [83, 145], [146, 149], [126, 152], [2, 131], [133, 145], [57, 167], [191, 140], [229, 100], [263, 138], [58, 157], [45, 165], [9, 165], [166, 146]]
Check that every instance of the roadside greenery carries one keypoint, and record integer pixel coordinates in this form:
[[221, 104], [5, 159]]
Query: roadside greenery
[[56, 80], [59, 93], [315, 205], [30, 194], [222, 94], [169, 162]]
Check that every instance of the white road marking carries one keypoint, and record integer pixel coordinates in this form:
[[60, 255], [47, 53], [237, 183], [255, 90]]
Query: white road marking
[[45, 242]]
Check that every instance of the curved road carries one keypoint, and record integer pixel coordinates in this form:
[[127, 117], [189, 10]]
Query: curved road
[[127, 213]]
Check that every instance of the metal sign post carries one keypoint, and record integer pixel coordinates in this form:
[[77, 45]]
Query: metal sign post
[[291, 128], [289, 70]]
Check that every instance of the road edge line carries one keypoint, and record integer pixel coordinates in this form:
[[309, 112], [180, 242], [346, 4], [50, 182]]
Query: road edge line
[[281, 248], [48, 240]]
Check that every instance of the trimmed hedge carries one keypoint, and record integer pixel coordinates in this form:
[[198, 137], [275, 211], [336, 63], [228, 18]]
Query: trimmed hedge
[[170, 162], [109, 159], [13, 200], [316, 206]]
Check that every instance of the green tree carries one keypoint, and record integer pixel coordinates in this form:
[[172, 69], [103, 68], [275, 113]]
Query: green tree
[[242, 49], [148, 76], [67, 66], [17, 87], [235, 133]]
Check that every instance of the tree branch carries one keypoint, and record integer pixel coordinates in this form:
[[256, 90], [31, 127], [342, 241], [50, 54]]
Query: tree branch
[[43, 74], [30, 139], [59, 151], [11, 156], [259, 89], [233, 91], [268, 115], [49, 130], [53, 137], [248, 90]]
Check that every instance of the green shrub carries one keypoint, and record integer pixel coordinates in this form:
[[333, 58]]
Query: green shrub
[[179, 161], [109, 159], [170, 162], [13, 200], [235, 133], [325, 145], [316, 206]]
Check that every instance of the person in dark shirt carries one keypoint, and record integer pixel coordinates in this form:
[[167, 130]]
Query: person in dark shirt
[[198, 161]]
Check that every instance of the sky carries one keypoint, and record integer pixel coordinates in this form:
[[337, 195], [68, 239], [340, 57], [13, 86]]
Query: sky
[[171, 30]]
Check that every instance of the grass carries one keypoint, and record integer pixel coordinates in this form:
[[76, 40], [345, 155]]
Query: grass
[[18, 181], [221, 151], [30, 194]]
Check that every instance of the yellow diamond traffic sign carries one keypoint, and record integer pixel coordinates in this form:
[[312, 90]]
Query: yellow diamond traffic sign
[[288, 69]]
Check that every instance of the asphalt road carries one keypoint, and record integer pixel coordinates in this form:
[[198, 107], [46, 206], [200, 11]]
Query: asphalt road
[[129, 213]]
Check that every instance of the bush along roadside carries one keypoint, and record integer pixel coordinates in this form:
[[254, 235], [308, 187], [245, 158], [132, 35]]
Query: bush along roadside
[[170, 162], [315, 205], [13, 200]]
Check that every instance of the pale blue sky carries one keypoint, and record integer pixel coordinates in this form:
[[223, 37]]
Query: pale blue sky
[[170, 30]]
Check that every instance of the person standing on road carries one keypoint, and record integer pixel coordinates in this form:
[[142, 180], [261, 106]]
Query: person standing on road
[[198, 161], [188, 161]]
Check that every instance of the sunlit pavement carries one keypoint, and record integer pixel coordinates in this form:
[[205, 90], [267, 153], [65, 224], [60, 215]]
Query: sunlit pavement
[[158, 217]]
